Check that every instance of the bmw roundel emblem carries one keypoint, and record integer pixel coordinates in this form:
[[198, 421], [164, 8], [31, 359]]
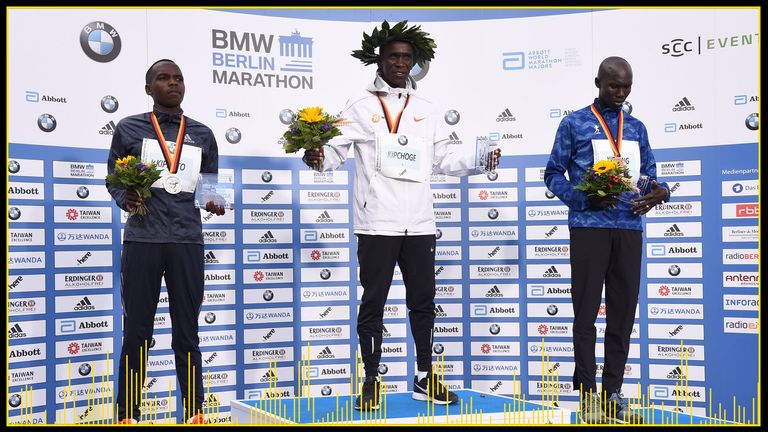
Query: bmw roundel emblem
[[266, 176], [152, 343], [418, 71], [46, 122], [552, 309], [452, 117], [326, 390], [286, 116], [100, 41], [438, 348], [402, 140], [626, 107], [268, 295], [753, 121], [109, 104], [438, 234], [674, 270], [325, 274], [493, 214], [210, 317], [14, 401], [84, 369], [494, 329], [492, 175], [13, 166], [383, 368], [14, 213], [233, 135], [549, 194], [83, 192]]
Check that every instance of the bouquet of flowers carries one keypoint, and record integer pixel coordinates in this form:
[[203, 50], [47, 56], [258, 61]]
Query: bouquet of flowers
[[309, 129], [606, 178], [130, 173]]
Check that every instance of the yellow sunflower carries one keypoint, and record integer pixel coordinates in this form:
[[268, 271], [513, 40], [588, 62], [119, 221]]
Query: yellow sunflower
[[604, 165], [311, 115], [123, 162]]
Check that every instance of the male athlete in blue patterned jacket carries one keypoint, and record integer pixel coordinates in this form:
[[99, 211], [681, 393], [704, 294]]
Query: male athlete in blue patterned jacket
[[606, 234]]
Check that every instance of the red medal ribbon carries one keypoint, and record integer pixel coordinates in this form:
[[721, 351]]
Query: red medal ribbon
[[393, 126], [615, 145], [172, 160]]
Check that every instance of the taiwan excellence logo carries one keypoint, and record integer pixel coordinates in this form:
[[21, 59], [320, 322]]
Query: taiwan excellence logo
[[100, 41]]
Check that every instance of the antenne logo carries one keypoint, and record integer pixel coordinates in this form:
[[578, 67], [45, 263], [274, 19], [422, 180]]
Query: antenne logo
[[100, 41]]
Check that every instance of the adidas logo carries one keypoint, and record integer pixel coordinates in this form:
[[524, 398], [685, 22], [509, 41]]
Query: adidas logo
[[551, 272], [188, 139], [85, 305], [673, 231], [16, 332], [385, 332], [683, 105], [268, 238], [326, 354], [108, 129], [15, 329], [324, 217], [453, 138], [440, 312], [269, 376], [210, 258], [675, 373], [505, 115], [494, 292]]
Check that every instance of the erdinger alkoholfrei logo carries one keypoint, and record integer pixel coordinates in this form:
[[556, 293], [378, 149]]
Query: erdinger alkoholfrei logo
[[83, 192], [14, 213], [84, 369], [100, 41], [109, 104], [752, 122], [452, 117], [266, 176], [233, 135], [418, 72], [285, 116], [46, 122], [13, 166]]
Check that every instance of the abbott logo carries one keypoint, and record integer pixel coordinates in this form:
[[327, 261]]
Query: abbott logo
[[513, 61]]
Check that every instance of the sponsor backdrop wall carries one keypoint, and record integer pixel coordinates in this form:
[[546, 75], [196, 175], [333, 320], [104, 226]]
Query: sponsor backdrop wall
[[281, 274]]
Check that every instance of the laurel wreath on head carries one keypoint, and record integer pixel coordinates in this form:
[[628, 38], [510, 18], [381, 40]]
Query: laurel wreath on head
[[423, 45]]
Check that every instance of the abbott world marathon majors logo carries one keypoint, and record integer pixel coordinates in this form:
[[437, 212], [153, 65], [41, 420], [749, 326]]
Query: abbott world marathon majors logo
[[100, 41], [262, 60]]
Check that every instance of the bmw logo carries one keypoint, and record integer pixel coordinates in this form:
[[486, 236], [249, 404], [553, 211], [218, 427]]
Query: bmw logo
[[452, 117], [383, 368], [492, 175], [233, 135], [438, 348], [14, 213], [152, 343], [549, 194], [419, 71], [84, 369], [286, 116], [326, 390], [46, 123], [493, 214], [438, 233], [100, 41], [494, 329], [268, 295], [82, 192], [626, 107], [266, 176], [402, 140], [109, 104], [13, 167], [674, 270], [14, 401], [552, 310], [752, 122], [325, 274], [61, 236], [210, 317]]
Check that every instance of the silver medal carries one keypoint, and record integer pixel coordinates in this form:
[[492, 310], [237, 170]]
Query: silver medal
[[172, 184]]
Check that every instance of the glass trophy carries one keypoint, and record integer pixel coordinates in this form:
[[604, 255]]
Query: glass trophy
[[643, 187], [484, 148], [216, 188]]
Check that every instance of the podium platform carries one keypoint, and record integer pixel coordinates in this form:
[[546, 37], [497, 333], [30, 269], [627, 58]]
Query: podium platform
[[474, 407]]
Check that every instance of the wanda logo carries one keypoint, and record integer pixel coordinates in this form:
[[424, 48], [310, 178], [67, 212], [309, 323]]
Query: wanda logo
[[747, 210]]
